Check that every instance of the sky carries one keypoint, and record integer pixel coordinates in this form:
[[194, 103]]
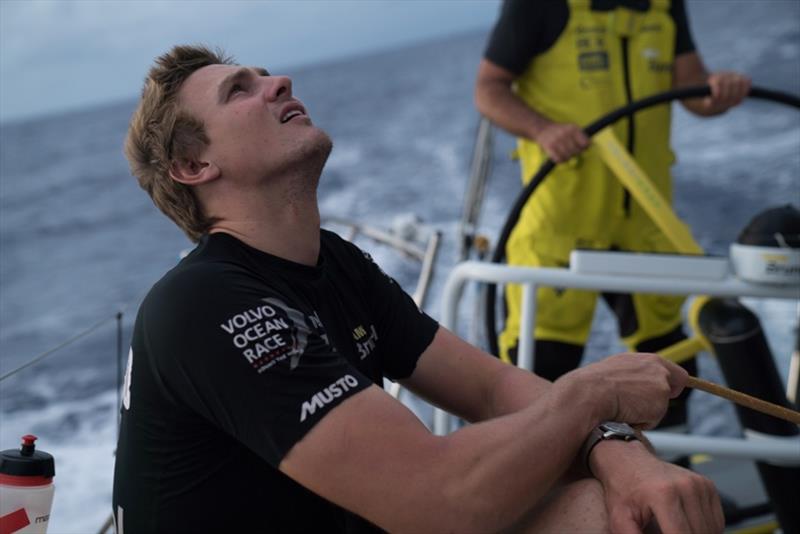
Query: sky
[[58, 55]]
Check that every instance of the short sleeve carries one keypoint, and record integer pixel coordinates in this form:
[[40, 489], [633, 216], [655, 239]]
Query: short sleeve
[[405, 330], [249, 360], [524, 29], [684, 42]]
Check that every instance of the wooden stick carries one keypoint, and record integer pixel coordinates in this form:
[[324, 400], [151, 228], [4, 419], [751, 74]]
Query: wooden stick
[[745, 400]]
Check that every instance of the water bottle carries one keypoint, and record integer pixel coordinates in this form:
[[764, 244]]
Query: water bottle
[[26, 489]]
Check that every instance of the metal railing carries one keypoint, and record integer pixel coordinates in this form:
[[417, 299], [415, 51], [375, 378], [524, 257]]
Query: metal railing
[[783, 451]]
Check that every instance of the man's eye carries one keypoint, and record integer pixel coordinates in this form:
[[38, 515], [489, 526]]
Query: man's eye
[[235, 88]]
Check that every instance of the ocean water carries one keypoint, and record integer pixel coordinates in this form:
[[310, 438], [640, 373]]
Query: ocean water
[[80, 242]]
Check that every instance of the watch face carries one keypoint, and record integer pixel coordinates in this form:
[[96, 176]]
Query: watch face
[[620, 429]]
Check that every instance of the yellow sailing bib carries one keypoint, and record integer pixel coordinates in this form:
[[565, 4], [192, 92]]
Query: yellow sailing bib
[[600, 62]]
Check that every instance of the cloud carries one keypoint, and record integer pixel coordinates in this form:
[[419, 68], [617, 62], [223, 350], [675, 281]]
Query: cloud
[[57, 54]]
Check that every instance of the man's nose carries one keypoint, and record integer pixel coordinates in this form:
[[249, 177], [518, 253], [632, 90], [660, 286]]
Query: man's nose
[[278, 87]]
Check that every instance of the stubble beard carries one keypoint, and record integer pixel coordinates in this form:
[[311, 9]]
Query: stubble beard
[[316, 156], [307, 166]]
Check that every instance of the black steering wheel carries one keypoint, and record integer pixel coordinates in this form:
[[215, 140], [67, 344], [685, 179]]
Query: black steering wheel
[[498, 256]]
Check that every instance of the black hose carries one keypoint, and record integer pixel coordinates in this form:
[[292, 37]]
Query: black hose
[[737, 515], [676, 94]]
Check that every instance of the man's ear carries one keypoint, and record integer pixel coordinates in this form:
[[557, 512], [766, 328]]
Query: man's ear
[[193, 172]]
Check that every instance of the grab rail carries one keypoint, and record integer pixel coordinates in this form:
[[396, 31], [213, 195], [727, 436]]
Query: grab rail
[[768, 449]]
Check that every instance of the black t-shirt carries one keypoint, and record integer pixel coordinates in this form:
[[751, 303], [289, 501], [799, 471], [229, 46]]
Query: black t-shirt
[[236, 355], [527, 28]]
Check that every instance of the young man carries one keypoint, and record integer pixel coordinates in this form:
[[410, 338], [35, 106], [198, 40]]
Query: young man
[[253, 401]]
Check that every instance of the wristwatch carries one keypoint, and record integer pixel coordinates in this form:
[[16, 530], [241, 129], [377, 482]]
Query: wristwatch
[[607, 430]]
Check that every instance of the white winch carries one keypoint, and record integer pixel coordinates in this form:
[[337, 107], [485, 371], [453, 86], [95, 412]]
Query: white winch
[[768, 249]]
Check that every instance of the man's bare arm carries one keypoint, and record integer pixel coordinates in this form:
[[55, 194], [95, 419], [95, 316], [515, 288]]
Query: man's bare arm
[[475, 385], [371, 455], [678, 499], [496, 100], [470, 383]]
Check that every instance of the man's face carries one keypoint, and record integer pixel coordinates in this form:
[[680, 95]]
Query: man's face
[[255, 126]]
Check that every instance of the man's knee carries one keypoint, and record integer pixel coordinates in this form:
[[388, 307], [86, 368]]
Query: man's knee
[[584, 503], [578, 507]]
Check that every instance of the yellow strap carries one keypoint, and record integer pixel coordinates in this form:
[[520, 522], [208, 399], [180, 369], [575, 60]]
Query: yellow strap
[[688, 348], [661, 5], [683, 350], [625, 22], [619, 160], [763, 528], [580, 4], [641, 187]]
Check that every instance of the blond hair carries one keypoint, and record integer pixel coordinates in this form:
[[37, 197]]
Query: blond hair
[[160, 133]]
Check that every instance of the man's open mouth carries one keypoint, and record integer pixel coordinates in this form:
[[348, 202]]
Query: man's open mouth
[[292, 112]]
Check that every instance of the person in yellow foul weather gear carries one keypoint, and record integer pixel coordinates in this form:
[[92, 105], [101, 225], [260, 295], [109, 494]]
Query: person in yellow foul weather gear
[[549, 69]]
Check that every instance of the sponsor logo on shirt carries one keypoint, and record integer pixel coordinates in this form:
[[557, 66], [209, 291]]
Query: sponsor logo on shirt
[[654, 63], [272, 332], [327, 395], [590, 61], [365, 341]]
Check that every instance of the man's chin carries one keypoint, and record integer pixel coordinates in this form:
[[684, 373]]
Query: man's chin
[[325, 144], [315, 151]]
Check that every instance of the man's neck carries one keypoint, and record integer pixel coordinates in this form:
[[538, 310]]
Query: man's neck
[[285, 224]]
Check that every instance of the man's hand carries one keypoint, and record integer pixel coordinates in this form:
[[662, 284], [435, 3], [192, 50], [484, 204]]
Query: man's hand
[[561, 141], [728, 89], [630, 388], [641, 489]]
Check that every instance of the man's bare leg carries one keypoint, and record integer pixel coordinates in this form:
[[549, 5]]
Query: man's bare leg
[[575, 507]]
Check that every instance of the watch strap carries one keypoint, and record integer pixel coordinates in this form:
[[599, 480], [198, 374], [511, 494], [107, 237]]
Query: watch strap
[[602, 433]]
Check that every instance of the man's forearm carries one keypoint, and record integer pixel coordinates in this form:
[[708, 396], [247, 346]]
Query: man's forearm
[[689, 71], [527, 430], [516, 389], [537, 443], [496, 101]]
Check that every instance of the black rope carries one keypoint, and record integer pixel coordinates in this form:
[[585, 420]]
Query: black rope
[[58, 347], [498, 256]]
